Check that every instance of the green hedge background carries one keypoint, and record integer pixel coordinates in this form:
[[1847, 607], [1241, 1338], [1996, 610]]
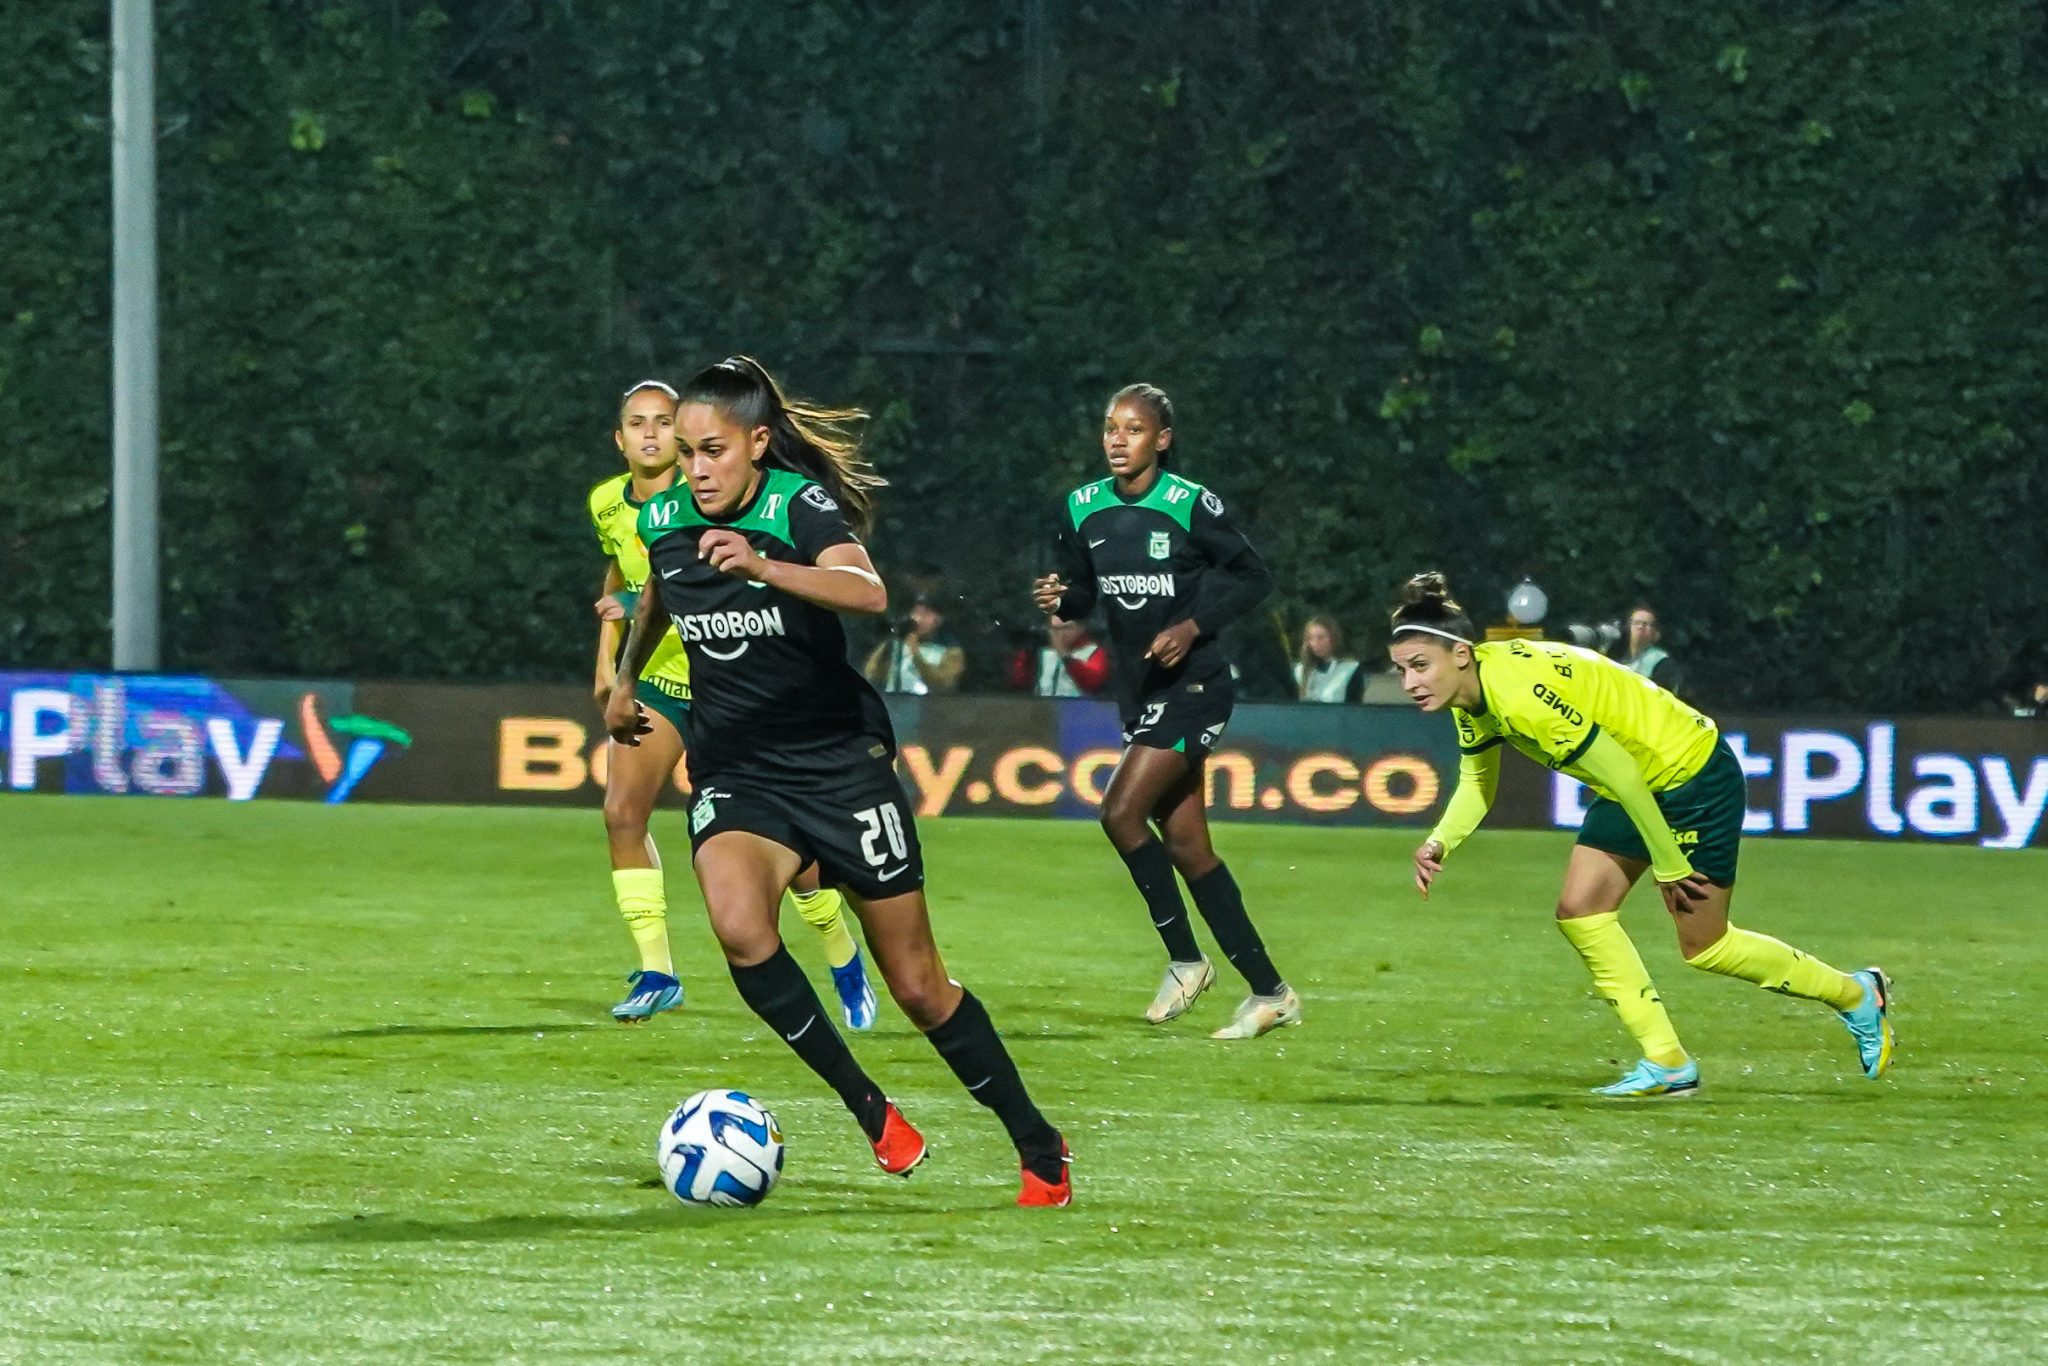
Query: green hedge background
[[1738, 306]]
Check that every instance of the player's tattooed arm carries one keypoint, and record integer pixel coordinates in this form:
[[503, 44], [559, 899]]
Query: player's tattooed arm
[[622, 714], [649, 621]]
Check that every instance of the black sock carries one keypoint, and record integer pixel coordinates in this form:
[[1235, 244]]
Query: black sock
[[1152, 870], [1222, 905], [969, 1044], [777, 990]]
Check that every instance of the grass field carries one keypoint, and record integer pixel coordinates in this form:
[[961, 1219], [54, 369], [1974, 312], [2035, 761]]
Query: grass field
[[286, 1082]]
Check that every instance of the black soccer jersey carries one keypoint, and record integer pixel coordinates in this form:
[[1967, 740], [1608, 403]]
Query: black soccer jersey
[[773, 688], [1166, 556]]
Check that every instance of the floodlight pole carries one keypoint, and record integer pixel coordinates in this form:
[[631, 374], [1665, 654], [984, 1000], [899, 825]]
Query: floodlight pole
[[136, 594]]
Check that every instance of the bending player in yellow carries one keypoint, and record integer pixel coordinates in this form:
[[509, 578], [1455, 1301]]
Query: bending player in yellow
[[635, 774], [1669, 797]]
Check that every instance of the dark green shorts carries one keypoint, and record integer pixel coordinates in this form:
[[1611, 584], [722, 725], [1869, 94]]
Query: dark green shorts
[[651, 696], [1705, 813]]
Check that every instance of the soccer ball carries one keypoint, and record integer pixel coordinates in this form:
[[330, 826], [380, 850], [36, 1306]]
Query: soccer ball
[[720, 1148]]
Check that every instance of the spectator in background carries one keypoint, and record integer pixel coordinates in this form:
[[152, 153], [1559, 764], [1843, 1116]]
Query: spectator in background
[[920, 656], [1646, 656], [1070, 663], [1324, 673]]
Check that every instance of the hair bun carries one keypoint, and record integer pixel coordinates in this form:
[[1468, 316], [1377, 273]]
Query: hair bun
[[1426, 602], [1429, 589]]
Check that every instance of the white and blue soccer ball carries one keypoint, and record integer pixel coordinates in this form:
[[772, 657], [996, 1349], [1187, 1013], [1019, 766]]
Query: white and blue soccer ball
[[720, 1148]]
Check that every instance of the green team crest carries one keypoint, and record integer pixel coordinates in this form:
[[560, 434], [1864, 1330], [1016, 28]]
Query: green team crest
[[1162, 545], [702, 813]]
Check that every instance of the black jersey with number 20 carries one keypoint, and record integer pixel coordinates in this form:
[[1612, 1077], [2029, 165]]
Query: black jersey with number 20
[[774, 692], [1169, 555]]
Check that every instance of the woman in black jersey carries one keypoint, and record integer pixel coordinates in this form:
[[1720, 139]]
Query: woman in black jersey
[[753, 555], [1170, 570]]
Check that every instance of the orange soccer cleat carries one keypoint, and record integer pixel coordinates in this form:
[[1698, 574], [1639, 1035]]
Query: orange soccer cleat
[[900, 1148], [1037, 1191]]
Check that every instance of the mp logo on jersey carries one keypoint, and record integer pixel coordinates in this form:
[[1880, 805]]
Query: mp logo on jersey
[[1161, 545], [744, 627]]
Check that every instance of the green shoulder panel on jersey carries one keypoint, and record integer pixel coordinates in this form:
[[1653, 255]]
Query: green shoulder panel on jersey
[[1170, 495], [675, 510], [1089, 498], [666, 512]]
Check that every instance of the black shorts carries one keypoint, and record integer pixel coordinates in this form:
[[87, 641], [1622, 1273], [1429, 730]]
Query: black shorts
[[1188, 719], [854, 823]]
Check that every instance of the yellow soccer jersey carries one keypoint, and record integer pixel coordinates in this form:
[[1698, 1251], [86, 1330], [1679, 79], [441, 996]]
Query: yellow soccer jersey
[[1550, 700], [616, 517]]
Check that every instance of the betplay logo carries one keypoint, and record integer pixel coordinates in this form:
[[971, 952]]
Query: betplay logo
[[368, 741]]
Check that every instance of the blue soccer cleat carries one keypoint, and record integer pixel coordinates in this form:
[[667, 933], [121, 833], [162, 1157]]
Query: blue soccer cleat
[[856, 997], [1870, 1023], [1646, 1079], [649, 993]]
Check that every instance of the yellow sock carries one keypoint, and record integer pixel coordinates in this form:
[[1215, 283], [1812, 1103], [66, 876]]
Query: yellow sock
[[1777, 966], [1619, 976], [643, 900], [825, 911]]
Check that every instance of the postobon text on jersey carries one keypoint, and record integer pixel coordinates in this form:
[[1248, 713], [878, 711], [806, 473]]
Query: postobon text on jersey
[[732, 625], [1135, 585]]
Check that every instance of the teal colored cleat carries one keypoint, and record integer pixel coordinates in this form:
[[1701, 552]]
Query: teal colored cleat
[[1646, 1079], [649, 993], [856, 998], [1870, 1024]]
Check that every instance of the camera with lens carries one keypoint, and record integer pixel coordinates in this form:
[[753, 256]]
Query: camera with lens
[[1601, 636]]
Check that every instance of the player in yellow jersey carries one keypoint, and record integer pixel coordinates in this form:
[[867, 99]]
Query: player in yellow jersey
[[646, 438], [1669, 798]]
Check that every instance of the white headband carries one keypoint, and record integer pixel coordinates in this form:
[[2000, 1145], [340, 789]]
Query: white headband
[[1431, 630], [648, 384]]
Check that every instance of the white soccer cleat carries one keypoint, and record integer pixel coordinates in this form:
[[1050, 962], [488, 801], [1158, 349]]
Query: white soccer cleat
[[1261, 1015], [1179, 988]]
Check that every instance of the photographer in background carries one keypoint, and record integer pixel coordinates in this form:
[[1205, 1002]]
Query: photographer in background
[[1648, 658], [921, 656]]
